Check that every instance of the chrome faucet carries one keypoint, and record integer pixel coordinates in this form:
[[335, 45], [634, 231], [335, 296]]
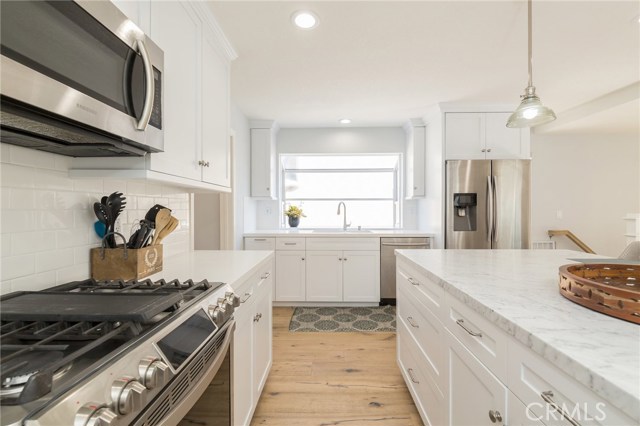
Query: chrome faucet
[[345, 225]]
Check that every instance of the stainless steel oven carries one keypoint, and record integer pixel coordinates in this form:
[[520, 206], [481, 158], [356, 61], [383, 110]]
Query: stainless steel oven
[[129, 353], [79, 79]]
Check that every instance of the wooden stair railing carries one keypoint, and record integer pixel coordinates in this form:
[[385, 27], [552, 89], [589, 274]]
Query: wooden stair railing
[[570, 235]]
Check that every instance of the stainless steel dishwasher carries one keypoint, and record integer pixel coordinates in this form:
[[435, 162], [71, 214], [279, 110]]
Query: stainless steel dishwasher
[[388, 263]]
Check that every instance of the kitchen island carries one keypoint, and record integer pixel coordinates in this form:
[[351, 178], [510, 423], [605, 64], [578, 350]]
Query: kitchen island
[[501, 310]]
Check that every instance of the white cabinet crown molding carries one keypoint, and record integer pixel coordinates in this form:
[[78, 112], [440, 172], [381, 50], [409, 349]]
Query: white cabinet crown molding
[[223, 42]]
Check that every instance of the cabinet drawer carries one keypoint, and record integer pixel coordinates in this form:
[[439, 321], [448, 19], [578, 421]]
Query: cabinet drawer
[[486, 341], [329, 243], [259, 243], [420, 287], [429, 399], [427, 330], [532, 379], [290, 243]]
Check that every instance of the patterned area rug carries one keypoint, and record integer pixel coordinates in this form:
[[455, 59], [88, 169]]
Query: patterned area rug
[[340, 319]]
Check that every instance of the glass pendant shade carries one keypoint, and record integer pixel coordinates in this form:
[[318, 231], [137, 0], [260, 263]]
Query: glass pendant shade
[[531, 112]]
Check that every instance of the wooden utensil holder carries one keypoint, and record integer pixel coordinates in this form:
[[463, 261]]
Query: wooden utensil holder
[[122, 263]]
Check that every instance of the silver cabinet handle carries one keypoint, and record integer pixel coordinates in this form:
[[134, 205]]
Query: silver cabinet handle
[[495, 416], [483, 150], [460, 322], [246, 297], [547, 396], [303, 258], [149, 86], [412, 322], [413, 379], [265, 276], [412, 281], [345, 259], [259, 239], [340, 259], [488, 149], [257, 318], [290, 244]]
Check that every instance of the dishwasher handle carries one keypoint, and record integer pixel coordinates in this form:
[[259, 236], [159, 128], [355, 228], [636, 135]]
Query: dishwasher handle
[[425, 245]]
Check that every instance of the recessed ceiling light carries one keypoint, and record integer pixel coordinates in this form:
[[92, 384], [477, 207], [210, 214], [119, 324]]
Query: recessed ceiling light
[[304, 19], [345, 121]]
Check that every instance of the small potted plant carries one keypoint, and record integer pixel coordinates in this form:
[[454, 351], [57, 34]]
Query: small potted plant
[[294, 213]]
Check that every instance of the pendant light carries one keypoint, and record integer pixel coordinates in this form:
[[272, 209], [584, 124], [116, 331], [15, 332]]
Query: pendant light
[[531, 112]]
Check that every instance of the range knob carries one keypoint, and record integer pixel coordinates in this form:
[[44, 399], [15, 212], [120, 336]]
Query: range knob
[[94, 414], [232, 299], [217, 314], [128, 395], [153, 372]]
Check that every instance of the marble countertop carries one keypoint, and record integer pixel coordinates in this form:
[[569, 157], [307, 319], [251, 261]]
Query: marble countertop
[[228, 266], [338, 233], [518, 291]]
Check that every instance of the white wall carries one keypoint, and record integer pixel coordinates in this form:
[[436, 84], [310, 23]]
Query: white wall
[[371, 140], [593, 180], [46, 229], [245, 207], [206, 220]]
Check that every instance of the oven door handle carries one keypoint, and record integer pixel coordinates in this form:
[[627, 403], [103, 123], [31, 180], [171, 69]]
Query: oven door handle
[[196, 390]]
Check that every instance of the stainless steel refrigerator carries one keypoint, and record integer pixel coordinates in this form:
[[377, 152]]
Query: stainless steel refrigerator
[[488, 204]]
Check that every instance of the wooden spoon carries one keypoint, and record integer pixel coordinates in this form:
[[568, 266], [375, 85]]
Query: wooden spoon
[[162, 220], [171, 226]]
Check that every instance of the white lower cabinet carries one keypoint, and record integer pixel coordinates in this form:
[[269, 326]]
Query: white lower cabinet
[[488, 377], [290, 276], [476, 397], [343, 276], [252, 353]]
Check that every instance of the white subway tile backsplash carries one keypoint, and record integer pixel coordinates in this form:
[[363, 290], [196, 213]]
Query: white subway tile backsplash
[[53, 179], [13, 176], [53, 260], [17, 266], [22, 199], [47, 220], [34, 282], [32, 242]]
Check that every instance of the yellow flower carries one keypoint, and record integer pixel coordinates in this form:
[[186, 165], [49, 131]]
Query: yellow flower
[[294, 211]]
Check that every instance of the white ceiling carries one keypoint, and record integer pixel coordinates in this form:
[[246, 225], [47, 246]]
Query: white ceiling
[[383, 62]]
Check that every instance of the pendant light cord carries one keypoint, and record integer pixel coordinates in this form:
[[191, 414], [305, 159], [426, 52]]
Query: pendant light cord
[[530, 45]]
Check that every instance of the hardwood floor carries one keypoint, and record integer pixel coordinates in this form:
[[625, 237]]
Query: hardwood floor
[[323, 379]]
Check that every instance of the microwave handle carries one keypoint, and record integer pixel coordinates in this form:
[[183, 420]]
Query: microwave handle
[[149, 88]]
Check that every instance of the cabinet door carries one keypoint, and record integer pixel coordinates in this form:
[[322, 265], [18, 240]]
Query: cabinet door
[[361, 276], [324, 276], [464, 136], [290, 276], [262, 163], [415, 180], [262, 338], [215, 113], [474, 391], [181, 45], [520, 415], [503, 142], [243, 398]]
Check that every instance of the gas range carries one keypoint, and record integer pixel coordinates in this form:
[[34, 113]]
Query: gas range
[[103, 353]]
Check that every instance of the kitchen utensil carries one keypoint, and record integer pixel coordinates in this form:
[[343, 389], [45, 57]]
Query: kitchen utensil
[[162, 220], [153, 211], [115, 205], [146, 228], [100, 228], [103, 200], [171, 226], [102, 213]]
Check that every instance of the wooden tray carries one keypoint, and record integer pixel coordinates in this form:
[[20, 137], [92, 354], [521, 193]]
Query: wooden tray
[[612, 289]]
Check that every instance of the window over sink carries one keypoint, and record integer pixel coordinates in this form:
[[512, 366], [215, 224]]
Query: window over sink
[[368, 185]]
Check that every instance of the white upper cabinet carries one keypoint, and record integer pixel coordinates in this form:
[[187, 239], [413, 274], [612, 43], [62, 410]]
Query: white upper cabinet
[[484, 135], [197, 150], [263, 159], [415, 155]]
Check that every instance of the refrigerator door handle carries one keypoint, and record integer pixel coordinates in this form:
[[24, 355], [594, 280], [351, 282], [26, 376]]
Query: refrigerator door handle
[[494, 218], [489, 209]]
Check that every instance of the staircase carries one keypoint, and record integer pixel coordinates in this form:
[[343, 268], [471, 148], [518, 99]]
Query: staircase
[[571, 236]]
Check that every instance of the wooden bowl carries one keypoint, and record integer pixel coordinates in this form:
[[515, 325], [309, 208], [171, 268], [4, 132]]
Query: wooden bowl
[[612, 289]]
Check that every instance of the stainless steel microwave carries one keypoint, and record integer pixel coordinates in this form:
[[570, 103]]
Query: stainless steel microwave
[[79, 78]]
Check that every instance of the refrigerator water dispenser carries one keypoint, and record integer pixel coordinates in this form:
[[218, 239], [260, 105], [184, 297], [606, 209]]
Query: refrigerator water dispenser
[[465, 205]]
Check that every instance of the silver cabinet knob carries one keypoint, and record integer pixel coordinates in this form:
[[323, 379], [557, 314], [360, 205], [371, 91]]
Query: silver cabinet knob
[[495, 416], [128, 395], [489, 150], [95, 414], [483, 150], [153, 372]]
